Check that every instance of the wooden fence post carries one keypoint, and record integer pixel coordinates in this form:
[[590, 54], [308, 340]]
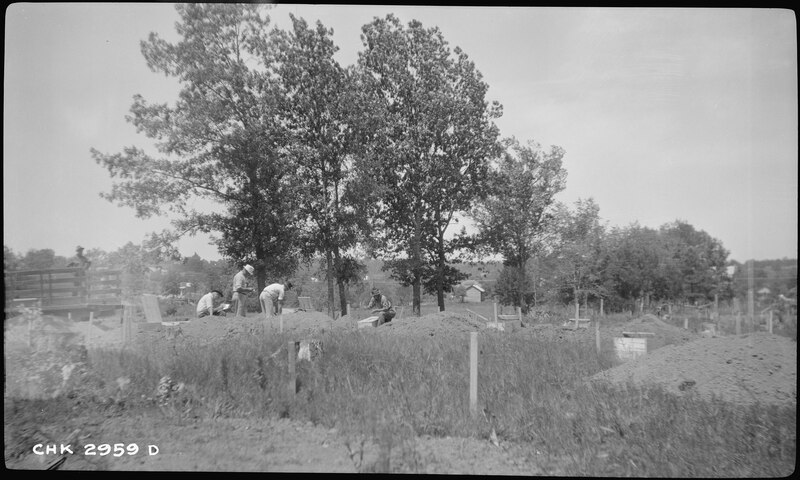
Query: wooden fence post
[[280, 320], [770, 321], [686, 323], [519, 315], [602, 312], [597, 335], [89, 329], [473, 372], [292, 376], [495, 310]]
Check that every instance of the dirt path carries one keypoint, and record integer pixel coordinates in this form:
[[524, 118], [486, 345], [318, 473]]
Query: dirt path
[[245, 445]]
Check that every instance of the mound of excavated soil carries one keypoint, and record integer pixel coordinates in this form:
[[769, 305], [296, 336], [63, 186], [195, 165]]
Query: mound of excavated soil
[[663, 333], [211, 329], [743, 369], [440, 324]]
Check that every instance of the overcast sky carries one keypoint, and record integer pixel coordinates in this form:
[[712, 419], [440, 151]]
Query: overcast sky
[[664, 114]]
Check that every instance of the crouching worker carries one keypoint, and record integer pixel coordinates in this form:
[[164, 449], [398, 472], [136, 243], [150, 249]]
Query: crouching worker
[[209, 304], [272, 297], [385, 310]]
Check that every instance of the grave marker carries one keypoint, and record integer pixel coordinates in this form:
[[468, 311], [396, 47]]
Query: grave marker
[[629, 348]]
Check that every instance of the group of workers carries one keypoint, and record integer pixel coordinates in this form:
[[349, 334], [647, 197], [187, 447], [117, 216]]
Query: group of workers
[[272, 297]]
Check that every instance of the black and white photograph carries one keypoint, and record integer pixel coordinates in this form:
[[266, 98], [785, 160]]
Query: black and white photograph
[[400, 239]]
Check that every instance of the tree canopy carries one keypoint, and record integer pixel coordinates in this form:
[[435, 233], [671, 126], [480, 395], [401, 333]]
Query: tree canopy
[[513, 219], [432, 140], [220, 141]]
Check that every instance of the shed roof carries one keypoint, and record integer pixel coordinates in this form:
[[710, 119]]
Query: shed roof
[[477, 287]]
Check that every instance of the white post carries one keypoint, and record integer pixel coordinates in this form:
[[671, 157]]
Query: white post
[[750, 295], [686, 323], [519, 315], [280, 320], [770, 321], [495, 311], [602, 312], [473, 372], [292, 360]]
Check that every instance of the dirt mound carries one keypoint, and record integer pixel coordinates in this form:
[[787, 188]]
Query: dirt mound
[[212, 329], [663, 333], [438, 324], [743, 369]]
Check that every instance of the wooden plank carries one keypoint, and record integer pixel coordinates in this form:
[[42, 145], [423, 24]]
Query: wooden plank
[[152, 311], [50, 292], [46, 271], [107, 291], [94, 282], [477, 315], [103, 273], [628, 334], [63, 301], [37, 282]]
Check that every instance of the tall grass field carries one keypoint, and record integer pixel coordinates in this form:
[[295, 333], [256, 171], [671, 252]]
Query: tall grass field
[[531, 392]]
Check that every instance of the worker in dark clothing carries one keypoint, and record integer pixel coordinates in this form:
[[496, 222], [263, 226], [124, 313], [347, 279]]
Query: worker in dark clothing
[[384, 308]]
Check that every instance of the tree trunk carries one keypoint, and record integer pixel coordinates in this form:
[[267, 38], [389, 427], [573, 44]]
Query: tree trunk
[[337, 260], [416, 261], [440, 274], [415, 291], [261, 274], [577, 304], [521, 285], [329, 277]]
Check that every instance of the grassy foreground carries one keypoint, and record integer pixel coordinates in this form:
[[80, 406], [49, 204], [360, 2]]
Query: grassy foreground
[[532, 392]]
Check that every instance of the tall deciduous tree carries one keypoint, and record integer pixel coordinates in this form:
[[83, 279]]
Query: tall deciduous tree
[[429, 149], [636, 266], [513, 220], [220, 141], [319, 106], [579, 250], [700, 258]]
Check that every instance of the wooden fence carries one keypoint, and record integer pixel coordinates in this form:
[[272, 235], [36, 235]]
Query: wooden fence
[[63, 289]]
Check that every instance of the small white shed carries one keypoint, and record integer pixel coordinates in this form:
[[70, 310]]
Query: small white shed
[[474, 293]]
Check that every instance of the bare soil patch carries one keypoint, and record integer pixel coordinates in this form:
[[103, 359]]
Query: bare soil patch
[[743, 369]]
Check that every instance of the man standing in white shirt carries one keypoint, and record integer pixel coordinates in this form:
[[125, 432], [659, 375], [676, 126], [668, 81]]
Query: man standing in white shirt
[[272, 297], [241, 289]]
